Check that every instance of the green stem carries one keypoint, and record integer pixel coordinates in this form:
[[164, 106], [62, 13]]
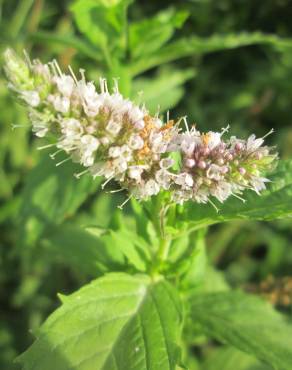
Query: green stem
[[164, 244], [163, 250]]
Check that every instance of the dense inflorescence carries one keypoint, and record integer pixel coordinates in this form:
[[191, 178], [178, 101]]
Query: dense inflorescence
[[213, 167], [117, 139]]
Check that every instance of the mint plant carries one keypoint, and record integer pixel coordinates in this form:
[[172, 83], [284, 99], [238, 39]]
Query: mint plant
[[138, 314]]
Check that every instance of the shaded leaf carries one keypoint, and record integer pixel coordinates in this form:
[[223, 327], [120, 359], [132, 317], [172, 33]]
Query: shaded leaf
[[82, 250], [196, 45], [246, 322], [52, 195]]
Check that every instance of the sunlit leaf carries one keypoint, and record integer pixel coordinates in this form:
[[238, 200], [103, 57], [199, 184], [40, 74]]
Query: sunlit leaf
[[148, 35], [116, 322], [164, 91]]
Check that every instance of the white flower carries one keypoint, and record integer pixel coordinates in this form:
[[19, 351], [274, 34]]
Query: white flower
[[114, 151], [126, 152], [32, 98], [135, 172], [113, 127], [163, 178], [40, 122], [258, 184], [184, 179], [151, 188], [135, 114], [158, 145], [87, 147], [65, 84], [139, 125], [136, 142], [253, 143], [188, 143], [213, 139], [120, 165], [61, 104], [222, 191], [166, 163], [90, 97], [214, 172], [71, 127]]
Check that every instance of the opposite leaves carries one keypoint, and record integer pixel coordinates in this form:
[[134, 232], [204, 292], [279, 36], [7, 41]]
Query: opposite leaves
[[116, 322]]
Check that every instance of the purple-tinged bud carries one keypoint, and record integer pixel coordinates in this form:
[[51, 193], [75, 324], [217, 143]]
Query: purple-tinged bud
[[202, 165], [238, 146], [205, 151], [229, 157], [190, 162], [242, 171]]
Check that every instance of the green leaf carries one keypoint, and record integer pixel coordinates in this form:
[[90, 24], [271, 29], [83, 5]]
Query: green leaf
[[150, 34], [228, 358], [164, 91], [133, 247], [273, 203], [51, 195], [246, 322], [75, 42], [116, 322], [196, 45], [104, 24], [82, 250]]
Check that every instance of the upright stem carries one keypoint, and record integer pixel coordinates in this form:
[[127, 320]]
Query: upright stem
[[164, 244], [163, 250]]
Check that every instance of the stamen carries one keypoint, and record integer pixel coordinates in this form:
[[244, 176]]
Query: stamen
[[269, 133], [46, 146], [238, 197], [116, 191], [225, 129], [82, 72], [65, 160], [116, 85], [58, 67], [78, 175], [184, 119], [72, 74], [101, 84], [106, 182], [13, 126], [214, 205], [125, 202], [27, 58], [53, 66], [54, 154]]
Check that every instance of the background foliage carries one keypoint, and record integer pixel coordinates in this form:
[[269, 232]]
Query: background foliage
[[219, 62]]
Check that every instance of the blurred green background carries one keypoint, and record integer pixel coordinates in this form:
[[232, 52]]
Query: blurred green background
[[218, 62]]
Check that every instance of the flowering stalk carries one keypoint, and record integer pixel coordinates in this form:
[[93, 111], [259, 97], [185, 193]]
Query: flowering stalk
[[114, 138]]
